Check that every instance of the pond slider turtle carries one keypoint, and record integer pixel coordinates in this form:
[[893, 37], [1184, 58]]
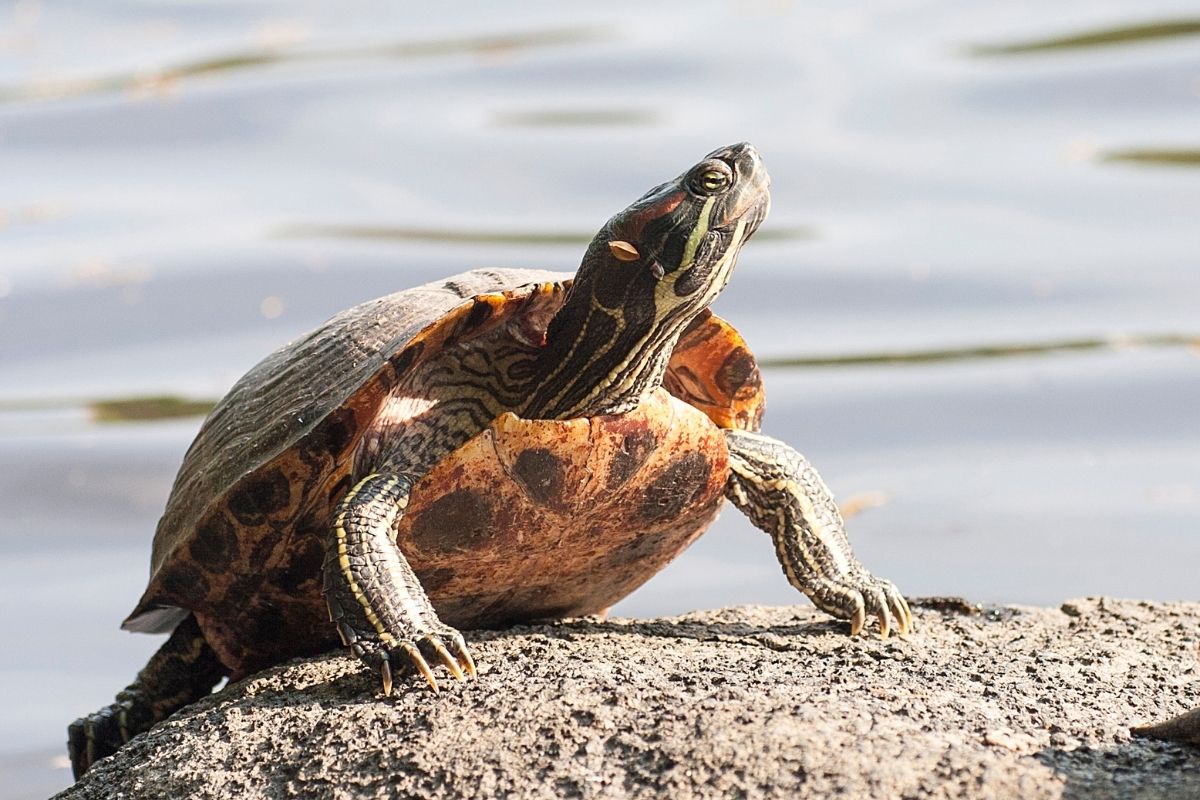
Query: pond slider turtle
[[504, 445]]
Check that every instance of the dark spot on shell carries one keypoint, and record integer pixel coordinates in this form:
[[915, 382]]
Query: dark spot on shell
[[215, 545], [481, 312], [267, 628], [338, 430], [635, 449], [236, 597], [435, 579], [184, 583], [260, 497], [637, 549], [263, 549], [543, 475], [738, 372], [676, 487], [303, 565], [455, 521], [405, 358], [330, 439]]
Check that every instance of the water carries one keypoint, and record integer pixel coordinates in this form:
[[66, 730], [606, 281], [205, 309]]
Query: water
[[979, 286]]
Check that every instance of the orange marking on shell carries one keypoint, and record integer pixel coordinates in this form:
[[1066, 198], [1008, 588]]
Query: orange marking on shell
[[713, 369]]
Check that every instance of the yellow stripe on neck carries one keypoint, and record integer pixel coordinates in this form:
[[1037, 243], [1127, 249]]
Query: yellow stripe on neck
[[693, 240]]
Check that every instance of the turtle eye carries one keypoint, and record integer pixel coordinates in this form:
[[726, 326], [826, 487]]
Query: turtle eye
[[711, 178], [714, 181]]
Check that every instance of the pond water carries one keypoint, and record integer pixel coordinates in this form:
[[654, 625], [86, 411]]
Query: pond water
[[977, 298]]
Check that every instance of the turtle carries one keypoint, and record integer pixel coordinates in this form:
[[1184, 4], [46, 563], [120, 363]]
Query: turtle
[[500, 446]]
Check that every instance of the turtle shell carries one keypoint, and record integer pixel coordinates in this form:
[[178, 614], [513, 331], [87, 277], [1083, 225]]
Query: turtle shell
[[240, 541]]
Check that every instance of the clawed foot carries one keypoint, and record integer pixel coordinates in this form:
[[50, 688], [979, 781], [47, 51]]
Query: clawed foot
[[96, 736], [864, 596], [441, 645]]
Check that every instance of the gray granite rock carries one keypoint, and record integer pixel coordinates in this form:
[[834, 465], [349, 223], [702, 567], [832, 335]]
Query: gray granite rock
[[744, 702]]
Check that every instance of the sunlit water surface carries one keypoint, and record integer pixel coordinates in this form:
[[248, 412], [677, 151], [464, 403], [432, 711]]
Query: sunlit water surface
[[977, 294]]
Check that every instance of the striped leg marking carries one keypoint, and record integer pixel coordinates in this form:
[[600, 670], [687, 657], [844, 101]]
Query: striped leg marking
[[783, 495], [381, 612]]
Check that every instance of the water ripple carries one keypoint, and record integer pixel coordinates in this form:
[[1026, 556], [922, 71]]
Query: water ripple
[[1103, 37], [166, 78]]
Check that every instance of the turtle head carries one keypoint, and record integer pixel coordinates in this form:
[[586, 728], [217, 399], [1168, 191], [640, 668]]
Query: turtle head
[[648, 272]]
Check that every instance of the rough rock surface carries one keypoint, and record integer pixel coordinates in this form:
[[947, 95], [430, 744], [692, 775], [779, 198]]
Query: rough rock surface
[[744, 702]]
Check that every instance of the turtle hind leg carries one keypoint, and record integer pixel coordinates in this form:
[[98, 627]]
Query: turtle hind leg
[[183, 670]]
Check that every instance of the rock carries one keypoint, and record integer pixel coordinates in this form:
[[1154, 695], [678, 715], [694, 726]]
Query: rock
[[745, 702]]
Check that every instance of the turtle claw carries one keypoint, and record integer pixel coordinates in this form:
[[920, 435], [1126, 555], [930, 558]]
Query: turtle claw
[[866, 597], [385, 672], [418, 661], [859, 619], [419, 654], [446, 658], [882, 600], [96, 736], [900, 610], [464, 657]]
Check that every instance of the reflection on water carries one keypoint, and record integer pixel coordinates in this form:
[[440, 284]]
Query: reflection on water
[[167, 78], [1167, 158], [1104, 37], [148, 408], [923, 199], [589, 118], [986, 352]]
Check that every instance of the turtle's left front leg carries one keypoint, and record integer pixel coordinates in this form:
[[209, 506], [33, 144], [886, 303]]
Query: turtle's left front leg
[[781, 493]]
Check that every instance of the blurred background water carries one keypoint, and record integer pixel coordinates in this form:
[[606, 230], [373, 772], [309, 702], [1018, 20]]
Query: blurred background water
[[977, 298]]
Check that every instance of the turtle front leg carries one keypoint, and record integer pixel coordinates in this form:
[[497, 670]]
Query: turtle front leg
[[381, 612], [783, 495], [183, 670]]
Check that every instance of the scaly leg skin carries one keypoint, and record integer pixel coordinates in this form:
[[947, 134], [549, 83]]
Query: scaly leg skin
[[381, 612], [782, 494], [183, 670]]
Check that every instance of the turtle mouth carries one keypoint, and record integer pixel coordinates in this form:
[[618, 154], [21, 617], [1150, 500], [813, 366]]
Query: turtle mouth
[[756, 214], [746, 214]]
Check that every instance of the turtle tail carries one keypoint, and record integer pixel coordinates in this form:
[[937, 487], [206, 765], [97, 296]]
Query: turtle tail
[[183, 670]]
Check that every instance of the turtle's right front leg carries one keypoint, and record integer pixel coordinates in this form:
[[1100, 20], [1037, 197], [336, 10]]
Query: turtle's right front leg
[[381, 612]]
